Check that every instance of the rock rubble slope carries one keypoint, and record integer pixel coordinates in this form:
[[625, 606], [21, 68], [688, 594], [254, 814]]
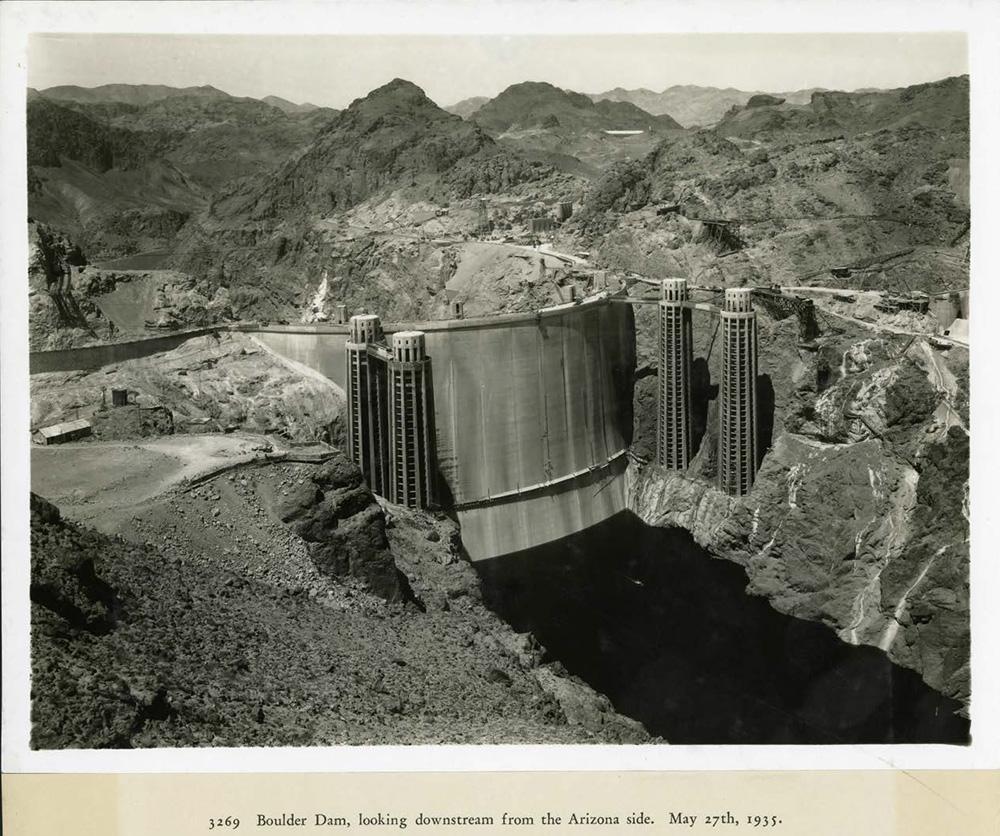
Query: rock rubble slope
[[308, 646]]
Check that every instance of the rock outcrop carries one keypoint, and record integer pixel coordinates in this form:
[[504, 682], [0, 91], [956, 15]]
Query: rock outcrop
[[53, 307], [229, 634], [846, 534], [335, 513]]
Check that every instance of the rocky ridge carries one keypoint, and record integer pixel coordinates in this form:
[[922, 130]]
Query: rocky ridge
[[889, 205], [692, 105], [858, 518], [121, 168], [537, 104], [302, 652]]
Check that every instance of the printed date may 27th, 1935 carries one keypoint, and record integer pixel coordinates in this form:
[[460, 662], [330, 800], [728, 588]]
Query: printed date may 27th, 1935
[[671, 819]]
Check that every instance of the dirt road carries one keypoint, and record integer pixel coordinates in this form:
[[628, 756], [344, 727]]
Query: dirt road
[[91, 479]]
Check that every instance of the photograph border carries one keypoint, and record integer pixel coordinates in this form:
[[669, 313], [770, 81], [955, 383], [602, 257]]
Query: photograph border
[[979, 20]]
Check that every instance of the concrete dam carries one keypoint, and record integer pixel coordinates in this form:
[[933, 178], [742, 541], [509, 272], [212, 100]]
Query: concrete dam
[[519, 423], [532, 415]]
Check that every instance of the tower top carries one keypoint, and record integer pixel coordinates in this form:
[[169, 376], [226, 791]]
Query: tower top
[[409, 346], [674, 290], [365, 328], [738, 300]]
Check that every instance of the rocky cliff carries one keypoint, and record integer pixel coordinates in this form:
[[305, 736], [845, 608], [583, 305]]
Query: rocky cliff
[[858, 518], [73, 303], [278, 604], [54, 309], [275, 236], [872, 182]]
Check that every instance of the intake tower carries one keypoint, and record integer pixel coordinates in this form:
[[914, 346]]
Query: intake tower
[[366, 407], [411, 459], [738, 393], [673, 425]]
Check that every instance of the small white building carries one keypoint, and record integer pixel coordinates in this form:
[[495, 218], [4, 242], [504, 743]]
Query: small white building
[[66, 431]]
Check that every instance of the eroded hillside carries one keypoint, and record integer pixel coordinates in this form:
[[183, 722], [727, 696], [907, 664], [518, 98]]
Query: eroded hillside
[[312, 643]]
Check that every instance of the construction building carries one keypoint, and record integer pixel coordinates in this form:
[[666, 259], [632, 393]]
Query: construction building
[[673, 426], [411, 462], [738, 393], [66, 431], [915, 301], [542, 224], [366, 408]]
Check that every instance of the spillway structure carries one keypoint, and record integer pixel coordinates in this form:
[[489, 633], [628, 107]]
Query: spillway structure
[[674, 417], [737, 465], [411, 443], [367, 425]]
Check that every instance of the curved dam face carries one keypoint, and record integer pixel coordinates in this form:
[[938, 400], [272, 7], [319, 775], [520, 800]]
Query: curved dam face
[[532, 412]]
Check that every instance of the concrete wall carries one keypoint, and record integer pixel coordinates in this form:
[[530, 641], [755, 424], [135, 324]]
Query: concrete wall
[[946, 308], [531, 412], [322, 350], [95, 356], [505, 527], [523, 403]]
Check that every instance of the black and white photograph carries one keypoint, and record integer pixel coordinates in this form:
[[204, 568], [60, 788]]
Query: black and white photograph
[[531, 388]]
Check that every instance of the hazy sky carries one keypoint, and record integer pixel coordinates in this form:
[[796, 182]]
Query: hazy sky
[[334, 70]]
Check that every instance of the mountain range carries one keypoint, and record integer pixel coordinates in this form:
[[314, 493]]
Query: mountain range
[[538, 104], [123, 166], [244, 193], [394, 140], [940, 104], [692, 105]]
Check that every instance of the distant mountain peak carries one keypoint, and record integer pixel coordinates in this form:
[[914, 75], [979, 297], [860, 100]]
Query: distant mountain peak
[[398, 88], [467, 107], [539, 104], [134, 94], [400, 97], [289, 106]]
